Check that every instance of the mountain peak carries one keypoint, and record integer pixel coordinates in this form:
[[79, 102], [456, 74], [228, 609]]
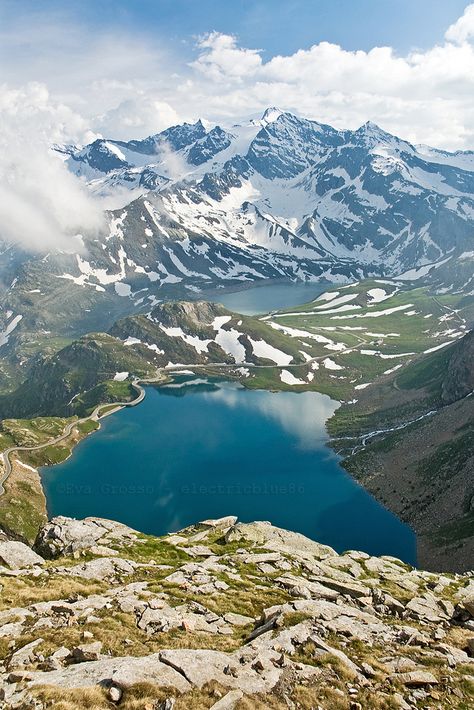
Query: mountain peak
[[271, 114], [371, 127]]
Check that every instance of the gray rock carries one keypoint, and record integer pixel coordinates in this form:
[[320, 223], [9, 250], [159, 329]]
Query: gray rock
[[24, 655], [301, 587], [349, 588], [279, 540], [17, 555], [426, 608], [415, 679], [237, 619], [468, 603], [123, 671], [64, 536], [225, 522], [104, 568], [87, 652], [229, 701]]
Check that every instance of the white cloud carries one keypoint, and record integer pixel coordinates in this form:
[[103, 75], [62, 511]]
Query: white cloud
[[463, 29], [137, 116], [42, 206], [221, 58]]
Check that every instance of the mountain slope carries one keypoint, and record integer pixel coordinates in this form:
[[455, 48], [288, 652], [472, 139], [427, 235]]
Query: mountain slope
[[430, 485]]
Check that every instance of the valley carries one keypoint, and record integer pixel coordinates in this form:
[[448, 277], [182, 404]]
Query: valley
[[375, 230], [360, 344]]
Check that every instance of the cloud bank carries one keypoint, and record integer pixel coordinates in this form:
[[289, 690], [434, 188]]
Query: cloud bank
[[42, 206]]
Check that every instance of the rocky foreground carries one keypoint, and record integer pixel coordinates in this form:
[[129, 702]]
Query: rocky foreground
[[226, 615]]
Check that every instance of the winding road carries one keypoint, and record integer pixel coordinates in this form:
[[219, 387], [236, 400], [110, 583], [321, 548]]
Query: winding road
[[95, 416]]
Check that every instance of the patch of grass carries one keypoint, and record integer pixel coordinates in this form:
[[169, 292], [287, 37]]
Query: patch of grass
[[21, 591]]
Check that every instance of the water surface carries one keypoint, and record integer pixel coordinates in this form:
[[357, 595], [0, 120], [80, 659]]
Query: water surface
[[270, 297], [190, 452]]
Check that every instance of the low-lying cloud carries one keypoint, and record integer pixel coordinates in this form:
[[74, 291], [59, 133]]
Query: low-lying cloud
[[42, 205]]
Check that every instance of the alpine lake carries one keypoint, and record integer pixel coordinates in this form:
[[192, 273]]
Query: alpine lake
[[204, 448]]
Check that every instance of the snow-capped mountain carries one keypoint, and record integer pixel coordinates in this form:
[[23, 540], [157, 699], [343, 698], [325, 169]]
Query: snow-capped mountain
[[199, 207], [283, 196]]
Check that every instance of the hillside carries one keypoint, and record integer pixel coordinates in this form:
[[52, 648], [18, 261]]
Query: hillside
[[423, 471], [229, 616]]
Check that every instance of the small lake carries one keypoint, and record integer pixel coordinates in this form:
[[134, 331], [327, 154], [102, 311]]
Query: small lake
[[267, 297], [203, 449]]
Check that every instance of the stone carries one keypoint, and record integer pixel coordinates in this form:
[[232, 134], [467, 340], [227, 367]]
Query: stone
[[238, 619], [61, 653], [115, 693], [348, 588], [367, 670], [24, 655], [229, 701], [225, 522], [301, 587], [87, 652], [468, 603], [426, 608], [64, 536], [122, 671], [415, 679], [17, 555], [454, 655], [276, 539], [102, 569]]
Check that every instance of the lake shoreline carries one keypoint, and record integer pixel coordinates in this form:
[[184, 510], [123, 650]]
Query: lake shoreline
[[275, 489]]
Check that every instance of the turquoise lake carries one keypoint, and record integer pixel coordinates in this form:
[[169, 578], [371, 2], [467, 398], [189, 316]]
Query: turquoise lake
[[194, 450]]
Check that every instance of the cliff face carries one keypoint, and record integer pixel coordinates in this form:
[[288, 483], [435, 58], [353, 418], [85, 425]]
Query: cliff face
[[226, 615], [459, 379]]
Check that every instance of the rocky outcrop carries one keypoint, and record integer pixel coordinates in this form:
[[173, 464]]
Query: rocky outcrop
[[18, 555], [459, 379], [64, 536], [228, 615]]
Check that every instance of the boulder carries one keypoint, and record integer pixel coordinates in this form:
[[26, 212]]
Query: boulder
[[229, 701], [426, 608], [415, 679], [225, 522], [87, 652], [17, 555], [24, 655], [468, 603], [64, 536], [122, 671], [351, 589], [266, 535]]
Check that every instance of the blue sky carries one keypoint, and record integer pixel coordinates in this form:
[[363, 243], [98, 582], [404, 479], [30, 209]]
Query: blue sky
[[276, 26], [129, 68]]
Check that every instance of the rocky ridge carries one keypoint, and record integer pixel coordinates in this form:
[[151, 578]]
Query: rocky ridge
[[226, 615]]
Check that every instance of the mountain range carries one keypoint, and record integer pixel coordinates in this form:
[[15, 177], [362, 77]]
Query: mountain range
[[198, 207]]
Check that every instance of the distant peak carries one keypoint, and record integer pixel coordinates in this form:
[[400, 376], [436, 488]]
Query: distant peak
[[371, 127], [271, 114]]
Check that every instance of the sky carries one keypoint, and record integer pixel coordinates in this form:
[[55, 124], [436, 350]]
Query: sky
[[74, 70], [129, 68]]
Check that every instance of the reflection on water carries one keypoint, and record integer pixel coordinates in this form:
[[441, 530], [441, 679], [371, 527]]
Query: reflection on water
[[208, 449]]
